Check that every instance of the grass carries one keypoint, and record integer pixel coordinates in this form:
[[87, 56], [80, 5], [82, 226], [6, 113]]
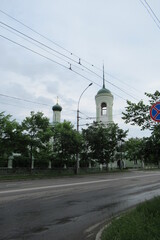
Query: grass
[[32, 176], [36, 174], [142, 223]]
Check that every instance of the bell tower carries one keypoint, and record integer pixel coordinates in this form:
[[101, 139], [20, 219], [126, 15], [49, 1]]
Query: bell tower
[[104, 104]]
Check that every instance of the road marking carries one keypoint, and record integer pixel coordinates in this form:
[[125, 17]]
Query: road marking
[[75, 184]]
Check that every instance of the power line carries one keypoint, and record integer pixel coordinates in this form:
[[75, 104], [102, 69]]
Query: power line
[[137, 90], [90, 118], [150, 12], [29, 101], [71, 65], [96, 83], [14, 105], [55, 62], [48, 39], [44, 37], [33, 39], [79, 58], [25, 100], [33, 43], [62, 55], [33, 51], [40, 47], [35, 31], [112, 84], [84, 114], [65, 56]]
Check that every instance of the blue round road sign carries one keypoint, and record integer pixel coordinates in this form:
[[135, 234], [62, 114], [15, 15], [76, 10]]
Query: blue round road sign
[[155, 112]]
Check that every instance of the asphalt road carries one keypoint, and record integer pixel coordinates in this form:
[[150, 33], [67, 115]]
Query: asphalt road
[[70, 208]]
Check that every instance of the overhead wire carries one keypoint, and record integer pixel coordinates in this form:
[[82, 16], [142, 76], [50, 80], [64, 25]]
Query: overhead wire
[[90, 118], [33, 51], [83, 114], [25, 100], [28, 101], [151, 13], [21, 99], [14, 105], [35, 31], [29, 49], [33, 39], [96, 83], [112, 84], [64, 56], [63, 48], [41, 48]]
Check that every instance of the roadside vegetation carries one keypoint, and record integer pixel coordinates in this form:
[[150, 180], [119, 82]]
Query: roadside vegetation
[[36, 144], [53, 173], [141, 223]]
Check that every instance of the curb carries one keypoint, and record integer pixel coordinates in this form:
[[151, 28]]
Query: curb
[[99, 234], [117, 216]]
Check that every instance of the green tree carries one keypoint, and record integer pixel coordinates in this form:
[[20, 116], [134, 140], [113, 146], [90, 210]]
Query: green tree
[[8, 136], [66, 143], [155, 144], [133, 149], [102, 141], [139, 113], [37, 132]]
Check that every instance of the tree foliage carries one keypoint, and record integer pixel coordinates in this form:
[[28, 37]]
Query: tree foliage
[[8, 134], [155, 143], [102, 141], [139, 113], [133, 149], [66, 142], [37, 132]]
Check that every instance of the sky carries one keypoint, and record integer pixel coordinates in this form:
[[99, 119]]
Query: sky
[[81, 35]]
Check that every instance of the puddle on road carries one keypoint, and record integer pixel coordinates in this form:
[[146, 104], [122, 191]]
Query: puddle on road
[[66, 220], [107, 206], [39, 229]]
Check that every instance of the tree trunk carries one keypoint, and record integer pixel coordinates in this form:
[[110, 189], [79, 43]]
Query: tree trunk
[[50, 164], [107, 166], [32, 163], [10, 162]]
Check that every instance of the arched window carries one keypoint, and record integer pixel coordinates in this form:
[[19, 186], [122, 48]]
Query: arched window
[[103, 109]]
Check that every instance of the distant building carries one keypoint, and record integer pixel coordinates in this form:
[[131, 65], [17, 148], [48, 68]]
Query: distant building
[[56, 113], [104, 104]]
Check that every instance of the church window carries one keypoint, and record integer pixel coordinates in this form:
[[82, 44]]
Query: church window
[[103, 109]]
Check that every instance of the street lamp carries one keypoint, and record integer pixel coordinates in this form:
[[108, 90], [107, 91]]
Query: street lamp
[[77, 157]]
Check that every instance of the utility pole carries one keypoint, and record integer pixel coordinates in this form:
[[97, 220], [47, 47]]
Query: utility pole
[[77, 156]]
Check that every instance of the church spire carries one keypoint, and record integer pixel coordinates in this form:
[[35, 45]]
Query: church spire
[[103, 78]]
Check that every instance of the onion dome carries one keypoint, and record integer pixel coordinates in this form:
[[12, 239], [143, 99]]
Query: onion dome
[[57, 107], [103, 90]]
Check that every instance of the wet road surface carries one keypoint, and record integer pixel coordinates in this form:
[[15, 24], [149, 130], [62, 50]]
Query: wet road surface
[[72, 208]]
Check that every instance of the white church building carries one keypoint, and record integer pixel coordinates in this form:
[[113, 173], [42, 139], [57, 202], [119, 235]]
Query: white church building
[[104, 114], [104, 106]]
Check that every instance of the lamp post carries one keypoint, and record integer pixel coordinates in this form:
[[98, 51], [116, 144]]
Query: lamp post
[[77, 156]]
